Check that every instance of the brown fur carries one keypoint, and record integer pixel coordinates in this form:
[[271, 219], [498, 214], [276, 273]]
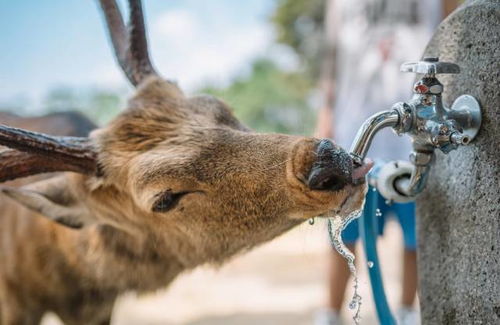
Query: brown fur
[[243, 189]]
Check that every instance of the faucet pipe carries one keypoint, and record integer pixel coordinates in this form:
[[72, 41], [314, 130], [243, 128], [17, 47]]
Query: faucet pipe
[[366, 133], [407, 186], [426, 121]]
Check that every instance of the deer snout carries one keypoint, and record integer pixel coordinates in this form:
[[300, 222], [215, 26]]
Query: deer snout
[[332, 169]]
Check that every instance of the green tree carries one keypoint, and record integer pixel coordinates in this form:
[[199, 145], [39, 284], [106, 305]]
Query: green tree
[[99, 105], [270, 99], [299, 24], [103, 105], [62, 99]]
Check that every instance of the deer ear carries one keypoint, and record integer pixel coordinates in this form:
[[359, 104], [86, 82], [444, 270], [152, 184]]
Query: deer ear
[[54, 199]]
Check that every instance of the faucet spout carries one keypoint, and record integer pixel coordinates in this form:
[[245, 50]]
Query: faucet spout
[[411, 186], [366, 133]]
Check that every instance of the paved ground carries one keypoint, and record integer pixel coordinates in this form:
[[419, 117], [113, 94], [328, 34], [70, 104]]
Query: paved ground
[[281, 282]]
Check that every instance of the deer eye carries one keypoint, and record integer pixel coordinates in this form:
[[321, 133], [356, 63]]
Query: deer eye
[[167, 200]]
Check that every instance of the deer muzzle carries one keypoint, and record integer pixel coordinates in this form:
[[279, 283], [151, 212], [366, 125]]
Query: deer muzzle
[[333, 168]]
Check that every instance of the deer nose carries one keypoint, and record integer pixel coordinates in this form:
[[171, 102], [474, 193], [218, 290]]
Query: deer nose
[[332, 169]]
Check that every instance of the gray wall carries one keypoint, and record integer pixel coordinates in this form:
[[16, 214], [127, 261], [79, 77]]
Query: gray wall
[[459, 212]]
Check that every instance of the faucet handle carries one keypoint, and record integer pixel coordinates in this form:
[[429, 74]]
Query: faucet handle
[[430, 66]]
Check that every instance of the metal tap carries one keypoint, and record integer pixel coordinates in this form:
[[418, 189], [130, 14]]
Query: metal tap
[[425, 119]]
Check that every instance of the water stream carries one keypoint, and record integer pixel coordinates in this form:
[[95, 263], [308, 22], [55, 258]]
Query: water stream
[[335, 226]]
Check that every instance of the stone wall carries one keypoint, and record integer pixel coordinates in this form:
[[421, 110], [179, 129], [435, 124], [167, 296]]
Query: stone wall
[[459, 212]]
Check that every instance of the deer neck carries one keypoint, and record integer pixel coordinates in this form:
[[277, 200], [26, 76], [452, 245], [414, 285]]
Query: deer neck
[[124, 261], [121, 261]]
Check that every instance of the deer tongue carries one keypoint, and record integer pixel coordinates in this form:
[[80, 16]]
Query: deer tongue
[[361, 171]]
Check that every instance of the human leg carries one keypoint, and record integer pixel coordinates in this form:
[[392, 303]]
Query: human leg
[[409, 291], [406, 216]]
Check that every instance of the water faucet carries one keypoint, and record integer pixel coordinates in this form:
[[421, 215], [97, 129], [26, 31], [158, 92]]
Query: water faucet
[[426, 120]]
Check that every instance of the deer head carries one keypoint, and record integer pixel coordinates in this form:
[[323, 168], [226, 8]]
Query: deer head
[[173, 166]]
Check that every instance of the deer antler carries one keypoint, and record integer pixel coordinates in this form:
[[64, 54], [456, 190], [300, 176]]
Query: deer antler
[[131, 47], [36, 153], [40, 153]]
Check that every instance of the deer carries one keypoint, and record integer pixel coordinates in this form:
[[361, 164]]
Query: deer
[[171, 183]]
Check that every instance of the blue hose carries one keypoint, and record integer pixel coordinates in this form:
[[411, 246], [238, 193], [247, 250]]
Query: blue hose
[[368, 229]]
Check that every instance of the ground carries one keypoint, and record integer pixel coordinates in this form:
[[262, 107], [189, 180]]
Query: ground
[[282, 282]]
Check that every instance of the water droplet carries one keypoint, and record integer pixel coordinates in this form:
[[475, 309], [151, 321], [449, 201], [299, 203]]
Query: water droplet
[[370, 264], [378, 213], [311, 221]]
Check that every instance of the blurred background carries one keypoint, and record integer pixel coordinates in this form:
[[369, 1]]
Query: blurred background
[[253, 54], [260, 56]]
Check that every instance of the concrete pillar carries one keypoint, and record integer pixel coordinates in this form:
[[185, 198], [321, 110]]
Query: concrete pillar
[[459, 212]]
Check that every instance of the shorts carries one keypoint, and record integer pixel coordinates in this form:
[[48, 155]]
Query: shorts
[[405, 214]]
